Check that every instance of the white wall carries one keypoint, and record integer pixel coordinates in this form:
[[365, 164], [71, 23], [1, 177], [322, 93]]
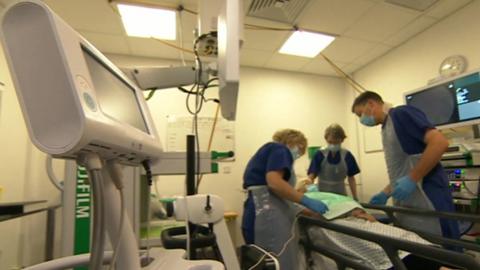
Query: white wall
[[410, 66], [269, 100]]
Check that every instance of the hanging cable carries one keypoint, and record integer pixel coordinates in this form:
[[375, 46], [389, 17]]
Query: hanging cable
[[210, 140], [119, 231], [358, 87], [98, 235], [150, 94], [180, 33], [51, 175], [172, 45], [148, 174], [292, 236], [259, 27]]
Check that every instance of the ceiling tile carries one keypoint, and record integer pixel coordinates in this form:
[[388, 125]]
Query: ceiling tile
[[320, 66], [154, 48], [415, 27], [446, 7], [360, 24], [88, 15], [254, 58], [350, 68], [264, 39], [378, 51], [264, 22], [107, 43], [380, 22], [333, 16], [286, 62], [346, 49]]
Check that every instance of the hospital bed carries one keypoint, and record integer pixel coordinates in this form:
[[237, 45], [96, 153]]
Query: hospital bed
[[391, 246], [391, 210]]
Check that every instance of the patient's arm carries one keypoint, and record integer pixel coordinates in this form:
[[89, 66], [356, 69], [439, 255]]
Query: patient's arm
[[360, 213], [302, 185], [310, 213]]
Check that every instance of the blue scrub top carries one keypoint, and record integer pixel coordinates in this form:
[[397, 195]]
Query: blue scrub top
[[315, 164], [411, 125], [270, 157]]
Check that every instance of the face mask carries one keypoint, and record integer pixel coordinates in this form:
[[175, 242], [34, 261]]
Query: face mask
[[334, 147], [295, 152], [367, 120]]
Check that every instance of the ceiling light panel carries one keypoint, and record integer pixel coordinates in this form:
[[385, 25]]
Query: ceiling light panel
[[148, 22], [306, 44]]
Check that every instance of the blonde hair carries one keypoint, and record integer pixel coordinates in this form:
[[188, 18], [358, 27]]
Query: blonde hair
[[336, 131], [291, 137]]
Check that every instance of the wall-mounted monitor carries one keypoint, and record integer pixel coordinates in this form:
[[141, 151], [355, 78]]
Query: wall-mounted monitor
[[452, 103], [73, 99]]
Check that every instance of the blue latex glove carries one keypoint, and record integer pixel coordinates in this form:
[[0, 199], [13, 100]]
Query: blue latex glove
[[379, 199], [403, 188], [314, 205]]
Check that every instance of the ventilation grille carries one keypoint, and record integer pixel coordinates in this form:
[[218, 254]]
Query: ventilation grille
[[418, 5], [285, 11]]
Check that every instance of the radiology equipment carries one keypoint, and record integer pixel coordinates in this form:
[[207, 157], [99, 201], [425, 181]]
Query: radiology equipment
[[461, 166], [462, 154], [78, 105], [450, 103], [220, 25]]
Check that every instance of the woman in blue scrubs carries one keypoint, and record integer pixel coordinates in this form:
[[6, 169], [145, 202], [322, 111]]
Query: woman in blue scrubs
[[413, 149], [333, 164], [271, 207]]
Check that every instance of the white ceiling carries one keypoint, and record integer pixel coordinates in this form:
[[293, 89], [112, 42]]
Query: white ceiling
[[366, 30]]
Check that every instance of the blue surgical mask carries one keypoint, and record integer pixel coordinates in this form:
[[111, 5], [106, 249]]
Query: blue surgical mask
[[295, 152], [368, 120], [333, 147]]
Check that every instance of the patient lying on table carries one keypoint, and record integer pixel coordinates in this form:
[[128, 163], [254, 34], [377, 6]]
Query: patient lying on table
[[345, 211]]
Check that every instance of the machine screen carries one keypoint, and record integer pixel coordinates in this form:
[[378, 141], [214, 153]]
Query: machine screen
[[451, 102], [115, 97]]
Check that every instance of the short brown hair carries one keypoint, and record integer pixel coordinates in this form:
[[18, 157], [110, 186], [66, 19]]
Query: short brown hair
[[364, 97], [291, 136], [336, 131]]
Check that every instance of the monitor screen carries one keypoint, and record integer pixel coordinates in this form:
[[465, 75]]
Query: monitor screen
[[115, 97], [451, 102]]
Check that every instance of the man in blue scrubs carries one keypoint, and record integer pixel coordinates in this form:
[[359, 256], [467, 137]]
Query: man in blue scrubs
[[413, 149], [269, 211]]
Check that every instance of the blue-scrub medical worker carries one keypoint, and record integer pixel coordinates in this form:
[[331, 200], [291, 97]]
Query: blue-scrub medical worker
[[413, 149], [333, 164], [269, 211]]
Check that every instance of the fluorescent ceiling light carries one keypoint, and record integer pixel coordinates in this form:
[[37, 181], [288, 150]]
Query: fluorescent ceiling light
[[148, 22], [306, 44]]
